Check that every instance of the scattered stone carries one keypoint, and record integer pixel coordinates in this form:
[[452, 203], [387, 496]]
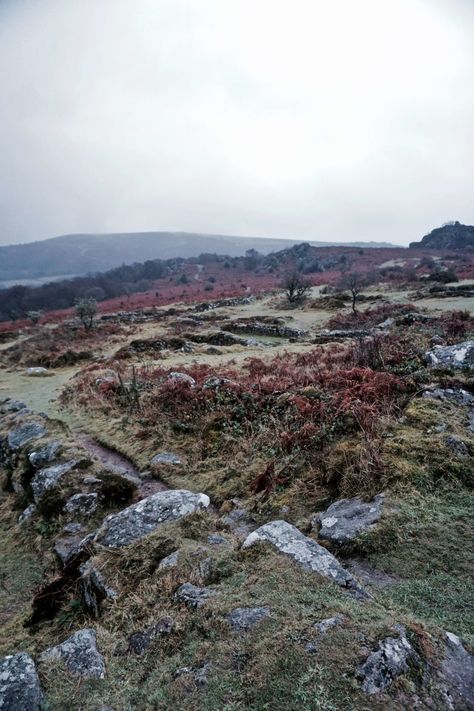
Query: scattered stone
[[456, 446], [26, 515], [82, 504], [192, 596], [459, 356], [457, 673], [38, 372], [20, 688], [92, 481], [244, 618], [80, 655], [9, 405], [200, 674], [45, 455], [166, 458], [345, 519], [176, 377], [215, 383], [93, 588], [304, 551], [49, 478], [215, 539], [456, 395], [325, 625], [147, 515], [23, 434], [171, 561], [138, 642], [383, 666]]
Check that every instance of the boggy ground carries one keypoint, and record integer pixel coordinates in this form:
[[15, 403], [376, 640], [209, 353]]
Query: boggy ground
[[269, 429]]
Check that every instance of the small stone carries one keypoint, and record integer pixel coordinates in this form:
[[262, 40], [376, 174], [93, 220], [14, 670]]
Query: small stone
[[347, 518], [45, 455], [20, 436], [20, 688], [384, 665], [92, 481], [192, 596], [38, 372], [171, 561], [82, 504], [215, 539], [80, 654], [72, 527], [27, 514], [176, 377], [325, 625], [49, 478], [456, 446], [166, 458], [138, 642], [244, 618]]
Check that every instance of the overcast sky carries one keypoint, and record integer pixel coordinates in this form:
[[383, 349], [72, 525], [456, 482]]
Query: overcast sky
[[310, 119]]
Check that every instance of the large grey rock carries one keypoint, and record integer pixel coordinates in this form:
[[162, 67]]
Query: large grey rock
[[345, 519], [384, 665], [82, 504], [20, 688], [45, 455], [244, 618], [303, 550], [192, 596], [457, 674], [49, 478], [80, 654], [459, 356], [147, 515], [18, 437]]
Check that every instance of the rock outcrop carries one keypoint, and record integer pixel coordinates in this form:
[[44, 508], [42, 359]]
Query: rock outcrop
[[347, 518], [80, 654], [121, 529]]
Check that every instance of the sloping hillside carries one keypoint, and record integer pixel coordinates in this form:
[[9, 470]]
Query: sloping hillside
[[453, 235], [83, 253]]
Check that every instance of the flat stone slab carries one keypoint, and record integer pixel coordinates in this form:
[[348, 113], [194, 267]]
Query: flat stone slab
[[49, 478], [147, 515], [244, 618], [347, 518], [80, 655], [20, 688], [460, 355], [305, 552]]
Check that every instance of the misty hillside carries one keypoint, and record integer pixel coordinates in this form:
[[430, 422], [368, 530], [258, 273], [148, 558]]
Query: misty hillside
[[83, 253], [453, 235]]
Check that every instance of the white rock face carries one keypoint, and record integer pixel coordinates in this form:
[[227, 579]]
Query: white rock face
[[144, 517], [19, 684], [80, 655], [304, 551]]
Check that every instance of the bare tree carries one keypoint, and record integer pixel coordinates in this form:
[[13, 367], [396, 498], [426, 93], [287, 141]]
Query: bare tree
[[85, 310], [355, 282], [296, 287]]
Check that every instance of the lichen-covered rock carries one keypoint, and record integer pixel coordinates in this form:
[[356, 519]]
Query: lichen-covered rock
[[82, 504], [192, 596], [46, 454], [345, 519], [18, 437], [460, 355], [165, 458], [20, 688], [147, 515], [177, 377], [457, 674], [303, 550], [138, 642], [49, 478], [244, 618], [80, 654], [384, 665], [170, 561]]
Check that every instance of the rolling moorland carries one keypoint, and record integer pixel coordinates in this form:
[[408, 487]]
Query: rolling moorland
[[220, 492]]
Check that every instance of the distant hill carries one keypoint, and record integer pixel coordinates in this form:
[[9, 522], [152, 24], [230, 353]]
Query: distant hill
[[453, 235], [79, 254]]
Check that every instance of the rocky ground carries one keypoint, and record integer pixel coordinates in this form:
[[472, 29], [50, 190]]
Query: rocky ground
[[241, 506]]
